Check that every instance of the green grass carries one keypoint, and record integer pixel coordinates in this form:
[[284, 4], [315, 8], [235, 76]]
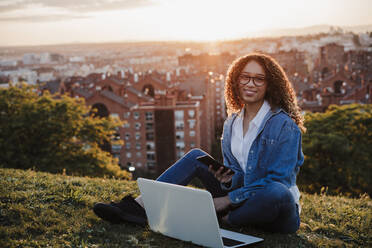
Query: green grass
[[46, 210]]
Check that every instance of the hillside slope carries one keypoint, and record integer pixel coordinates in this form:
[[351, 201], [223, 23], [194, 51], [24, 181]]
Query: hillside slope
[[46, 210]]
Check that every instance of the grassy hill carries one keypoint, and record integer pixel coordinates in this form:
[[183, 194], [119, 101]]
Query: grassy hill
[[45, 210]]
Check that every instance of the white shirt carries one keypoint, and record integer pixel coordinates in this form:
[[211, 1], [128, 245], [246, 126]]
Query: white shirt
[[240, 143]]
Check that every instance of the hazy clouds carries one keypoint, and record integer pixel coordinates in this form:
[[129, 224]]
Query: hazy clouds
[[17, 10], [42, 18]]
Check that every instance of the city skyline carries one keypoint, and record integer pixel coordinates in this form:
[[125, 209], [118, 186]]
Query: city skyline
[[41, 22]]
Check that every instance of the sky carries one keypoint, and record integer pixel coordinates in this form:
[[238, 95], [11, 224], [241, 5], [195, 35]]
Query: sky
[[40, 22]]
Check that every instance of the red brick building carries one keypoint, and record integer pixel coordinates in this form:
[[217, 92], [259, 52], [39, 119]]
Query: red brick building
[[338, 78], [160, 122]]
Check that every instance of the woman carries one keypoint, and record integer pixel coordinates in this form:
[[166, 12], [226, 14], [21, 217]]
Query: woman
[[261, 143]]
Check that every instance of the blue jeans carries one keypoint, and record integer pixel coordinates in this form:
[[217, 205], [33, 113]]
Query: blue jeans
[[272, 208]]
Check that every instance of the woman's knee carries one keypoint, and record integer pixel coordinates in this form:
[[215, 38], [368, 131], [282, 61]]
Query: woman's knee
[[194, 153], [279, 192]]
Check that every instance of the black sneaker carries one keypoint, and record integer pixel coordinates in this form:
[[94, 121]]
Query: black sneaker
[[127, 210]]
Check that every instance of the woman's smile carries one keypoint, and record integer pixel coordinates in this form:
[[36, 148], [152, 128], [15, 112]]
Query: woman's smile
[[249, 92]]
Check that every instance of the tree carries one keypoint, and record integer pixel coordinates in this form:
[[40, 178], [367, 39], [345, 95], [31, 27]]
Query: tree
[[54, 134], [337, 148]]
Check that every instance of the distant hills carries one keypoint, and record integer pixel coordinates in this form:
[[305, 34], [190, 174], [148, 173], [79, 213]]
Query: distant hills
[[310, 30], [266, 33]]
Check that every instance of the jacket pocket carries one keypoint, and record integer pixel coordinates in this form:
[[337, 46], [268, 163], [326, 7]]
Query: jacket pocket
[[267, 141]]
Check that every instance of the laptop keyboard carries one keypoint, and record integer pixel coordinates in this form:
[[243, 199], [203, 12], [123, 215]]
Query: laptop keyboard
[[230, 242]]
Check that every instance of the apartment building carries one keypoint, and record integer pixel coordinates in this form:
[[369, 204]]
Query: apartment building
[[158, 133]]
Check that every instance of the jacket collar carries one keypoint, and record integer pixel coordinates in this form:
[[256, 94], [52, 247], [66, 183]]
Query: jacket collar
[[229, 124], [272, 112], [269, 114]]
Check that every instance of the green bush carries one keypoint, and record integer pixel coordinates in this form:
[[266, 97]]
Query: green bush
[[338, 150], [54, 134]]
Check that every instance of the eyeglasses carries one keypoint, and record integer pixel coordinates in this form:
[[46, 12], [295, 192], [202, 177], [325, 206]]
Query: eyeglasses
[[257, 81]]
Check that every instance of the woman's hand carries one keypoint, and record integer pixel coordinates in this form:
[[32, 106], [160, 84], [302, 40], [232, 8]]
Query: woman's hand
[[221, 203], [222, 177]]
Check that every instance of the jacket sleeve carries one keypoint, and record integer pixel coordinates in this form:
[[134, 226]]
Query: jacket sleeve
[[281, 165], [236, 181]]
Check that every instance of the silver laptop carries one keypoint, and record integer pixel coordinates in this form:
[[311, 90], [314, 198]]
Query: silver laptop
[[187, 214]]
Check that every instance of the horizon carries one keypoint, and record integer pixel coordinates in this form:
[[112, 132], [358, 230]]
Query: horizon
[[260, 36], [41, 22]]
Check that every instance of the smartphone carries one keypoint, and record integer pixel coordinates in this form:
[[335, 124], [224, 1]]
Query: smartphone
[[208, 160]]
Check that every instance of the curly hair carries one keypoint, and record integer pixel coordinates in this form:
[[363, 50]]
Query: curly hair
[[279, 92]]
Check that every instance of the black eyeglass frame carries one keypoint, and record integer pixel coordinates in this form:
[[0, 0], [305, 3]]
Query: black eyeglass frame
[[257, 81]]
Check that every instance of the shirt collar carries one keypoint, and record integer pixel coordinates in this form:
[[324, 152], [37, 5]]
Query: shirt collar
[[241, 113], [261, 114], [265, 108]]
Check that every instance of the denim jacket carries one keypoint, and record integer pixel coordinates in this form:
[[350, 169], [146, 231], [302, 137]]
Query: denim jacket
[[275, 156]]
